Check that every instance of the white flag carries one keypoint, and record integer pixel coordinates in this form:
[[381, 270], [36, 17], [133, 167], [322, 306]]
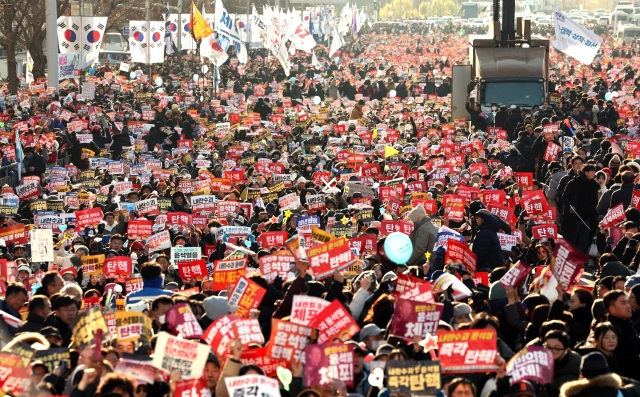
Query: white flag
[[336, 42], [314, 61], [139, 41], [258, 30], [183, 29], [76, 34], [156, 41], [210, 48], [170, 30], [575, 40], [283, 57], [300, 36], [225, 26]]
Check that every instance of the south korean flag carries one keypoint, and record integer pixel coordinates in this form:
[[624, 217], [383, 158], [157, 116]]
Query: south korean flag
[[92, 34], [69, 34]]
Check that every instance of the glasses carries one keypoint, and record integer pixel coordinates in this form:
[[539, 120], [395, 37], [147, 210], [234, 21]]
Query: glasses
[[554, 349]]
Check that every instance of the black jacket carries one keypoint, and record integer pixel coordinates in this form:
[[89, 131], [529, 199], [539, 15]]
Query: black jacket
[[37, 162], [623, 195], [627, 349], [486, 245], [34, 323], [120, 140], [479, 122], [582, 194], [525, 147]]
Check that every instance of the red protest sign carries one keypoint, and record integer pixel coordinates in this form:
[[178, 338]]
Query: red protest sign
[[88, 217], [531, 363], [467, 351], [182, 321], [494, 197], [118, 265], [515, 275], [28, 190], [405, 283], [259, 357], [248, 331], [247, 295], [566, 262], [551, 153], [219, 333], [545, 231], [534, 203], [133, 284], [460, 252], [523, 178], [615, 216], [326, 258], [503, 212], [195, 269], [430, 206], [328, 361], [288, 340], [273, 239], [196, 387], [178, 218], [228, 272], [140, 228], [412, 318], [422, 293], [15, 233], [334, 322]]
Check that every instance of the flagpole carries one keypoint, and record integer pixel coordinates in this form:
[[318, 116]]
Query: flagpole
[[179, 33]]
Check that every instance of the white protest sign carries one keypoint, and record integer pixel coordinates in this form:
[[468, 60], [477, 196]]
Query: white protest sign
[[175, 354]]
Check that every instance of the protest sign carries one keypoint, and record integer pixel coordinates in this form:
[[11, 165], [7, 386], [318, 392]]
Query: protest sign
[[515, 275], [42, 245], [140, 228], [327, 361], [88, 324], [118, 265], [141, 370], [248, 331], [228, 272], [196, 387], [413, 378], [507, 241], [406, 282], [252, 386], [88, 217], [467, 351], [193, 270], [92, 264], [533, 363], [52, 357], [326, 258], [131, 325], [175, 354], [334, 322], [181, 321], [159, 241], [566, 262], [413, 318], [133, 284], [459, 252], [247, 295], [15, 380], [219, 333], [147, 207], [15, 233], [306, 308], [288, 340], [544, 231], [258, 356], [423, 292], [614, 217], [460, 291]]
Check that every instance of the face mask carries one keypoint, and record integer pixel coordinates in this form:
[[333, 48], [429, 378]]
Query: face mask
[[493, 108], [162, 319]]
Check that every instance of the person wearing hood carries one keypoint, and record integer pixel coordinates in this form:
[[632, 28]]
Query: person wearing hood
[[155, 136], [178, 203], [486, 244], [580, 200], [513, 159], [423, 236], [151, 284], [119, 140], [63, 259], [596, 379], [615, 163], [356, 113]]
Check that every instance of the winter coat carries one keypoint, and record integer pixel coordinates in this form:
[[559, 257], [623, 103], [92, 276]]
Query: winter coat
[[581, 194], [486, 245], [600, 386], [423, 238], [525, 147], [552, 192], [477, 120], [605, 199], [623, 195], [628, 347], [356, 113]]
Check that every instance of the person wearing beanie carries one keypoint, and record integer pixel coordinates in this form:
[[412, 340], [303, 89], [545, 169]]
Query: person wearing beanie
[[214, 308], [151, 284], [596, 379], [64, 259], [461, 314], [423, 236]]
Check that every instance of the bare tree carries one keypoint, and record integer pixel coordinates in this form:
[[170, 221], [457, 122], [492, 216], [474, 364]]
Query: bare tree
[[10, 31]]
